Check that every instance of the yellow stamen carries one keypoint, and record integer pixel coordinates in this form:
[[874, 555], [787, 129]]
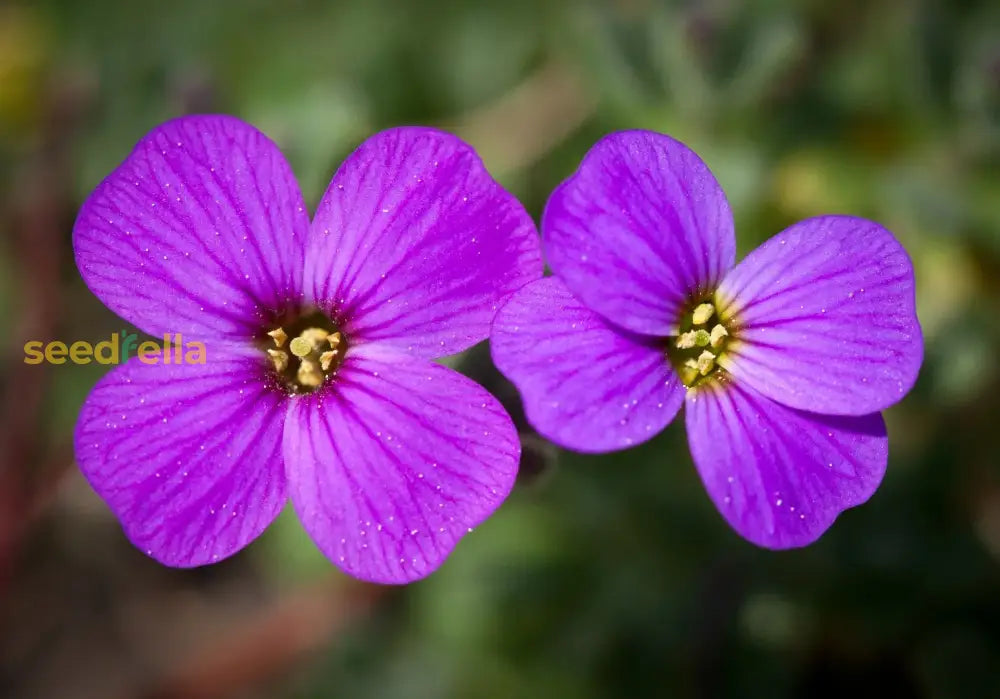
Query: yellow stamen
[[702, 313], [718, 336], [687, 340], [315, 336], [279, 336], [309, 373], [306, 359], [697, 349], [279, 358], [326, 359], [706, 362]]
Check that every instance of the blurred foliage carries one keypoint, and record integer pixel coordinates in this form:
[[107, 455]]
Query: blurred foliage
[[606, 576]]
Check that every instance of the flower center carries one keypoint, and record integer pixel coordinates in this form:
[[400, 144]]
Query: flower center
[[700, 341], [305, 352]]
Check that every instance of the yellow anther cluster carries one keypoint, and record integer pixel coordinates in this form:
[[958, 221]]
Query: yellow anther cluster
[[694, 338], [697, 348], [315, 350]]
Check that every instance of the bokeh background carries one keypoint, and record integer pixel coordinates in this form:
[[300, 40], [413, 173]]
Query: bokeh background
[[602, 576]]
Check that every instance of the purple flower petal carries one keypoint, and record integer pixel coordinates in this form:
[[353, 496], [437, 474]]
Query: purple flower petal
[[188, 456], [392, 464], [640, 227], [781, 476], [415, 245], [825, 316], [201, 228], [586, 385]]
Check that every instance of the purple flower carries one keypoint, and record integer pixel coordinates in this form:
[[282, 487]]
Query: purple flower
[[319, 383], [784, 360]]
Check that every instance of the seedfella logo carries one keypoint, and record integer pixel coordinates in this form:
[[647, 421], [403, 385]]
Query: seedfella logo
[[116, 350]]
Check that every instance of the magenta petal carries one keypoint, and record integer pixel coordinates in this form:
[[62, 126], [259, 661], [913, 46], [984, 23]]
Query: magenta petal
[[199, 230], [825, 316], [395, 462], [586, 385], [640, 227], [188, 456], [415, 245], [781, 476]]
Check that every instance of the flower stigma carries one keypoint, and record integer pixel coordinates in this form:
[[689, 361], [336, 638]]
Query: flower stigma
[[304, 353], [700, 340]]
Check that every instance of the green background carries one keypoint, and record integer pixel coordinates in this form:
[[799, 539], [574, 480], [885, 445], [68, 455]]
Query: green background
[[602, 576]]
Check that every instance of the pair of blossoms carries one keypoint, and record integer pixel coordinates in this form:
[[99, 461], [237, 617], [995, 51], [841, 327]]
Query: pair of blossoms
[[320, 384]]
